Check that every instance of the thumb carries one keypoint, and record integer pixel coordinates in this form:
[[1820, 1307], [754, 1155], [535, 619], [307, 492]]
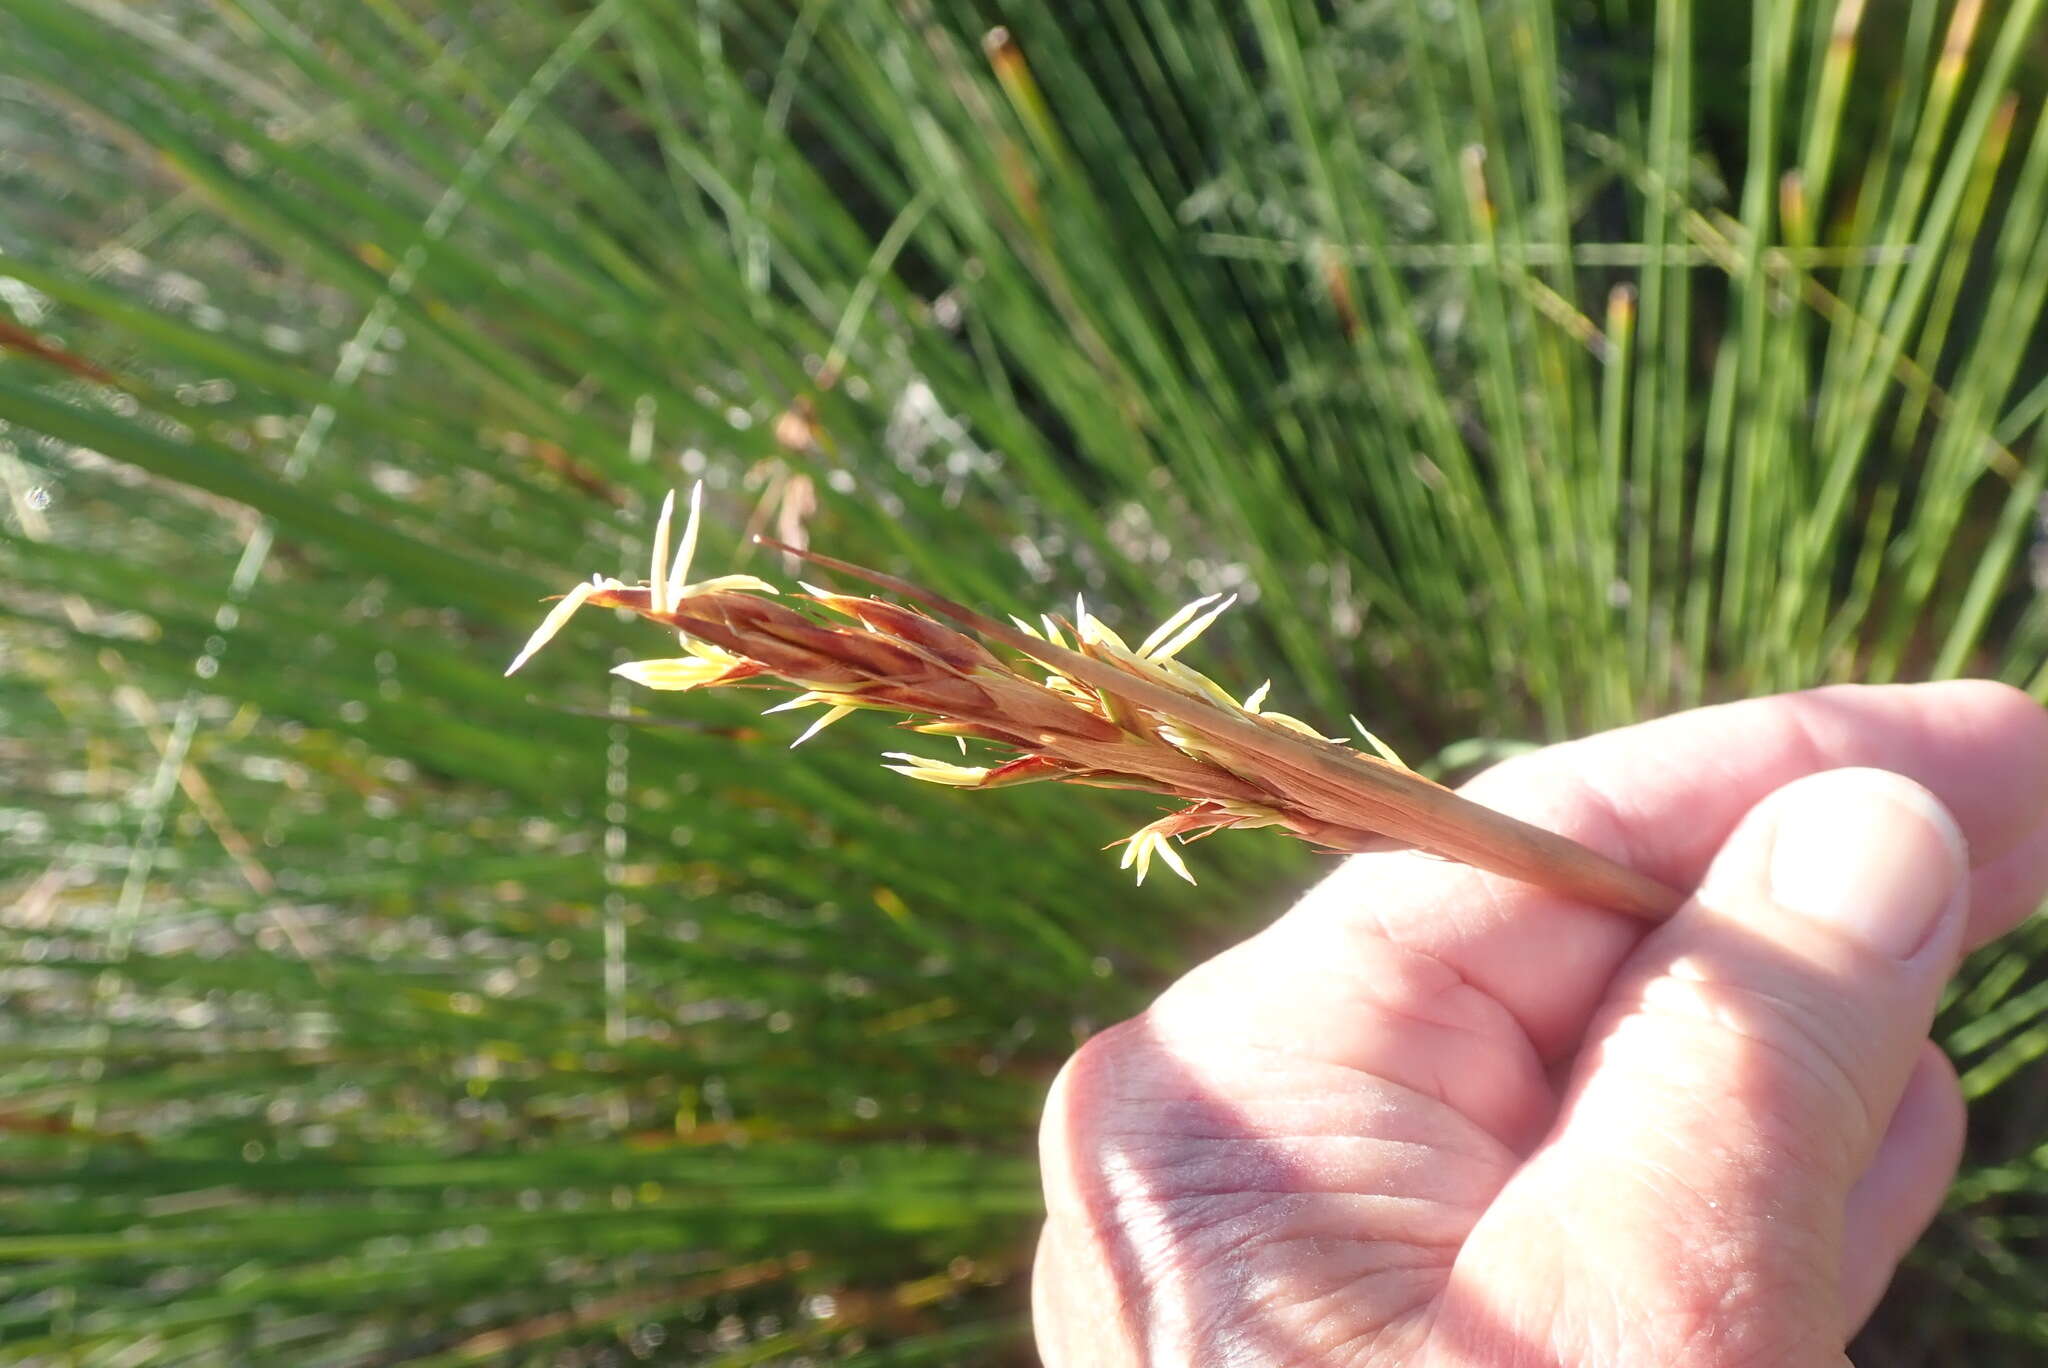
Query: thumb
[[1747, 1061]]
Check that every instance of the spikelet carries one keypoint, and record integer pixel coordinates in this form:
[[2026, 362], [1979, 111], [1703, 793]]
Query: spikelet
[[1072, 702]]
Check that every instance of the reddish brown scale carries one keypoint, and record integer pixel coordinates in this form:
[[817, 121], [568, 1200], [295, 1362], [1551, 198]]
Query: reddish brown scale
[[931, 694], [746, 669], [871, 655], [1041, 709], [747, 613], [794, 663], [971, 731], [954, 648], [1024, 769]]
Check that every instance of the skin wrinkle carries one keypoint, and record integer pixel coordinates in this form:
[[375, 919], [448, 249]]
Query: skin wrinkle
[[1198, 1034], [1166, 1238], [1424, 980], [1296, 1130], [1365, 1338], [1196, 1172], [1481, 1156], [1390, 1013], [1659, 1181], [1738, 1313], [1495, 890], [1471, 999], [1713, 1267], [1890, 1205], [1831, 735], [1263, 1165], [1839, 1077], [1484, 902], [1239, 1121], [1220, 1131], [1154, 1251], [1320, 1350], [1434, 1132], [1681, 1300], [2004, 887], [1791, 1139], [1236, 1266], [1222, 1213], [1282, 1222], [1203, 1274], [1808, 717], [1226, 1255]]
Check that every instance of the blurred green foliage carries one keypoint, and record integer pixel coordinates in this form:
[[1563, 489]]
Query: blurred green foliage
[[1526, 368]]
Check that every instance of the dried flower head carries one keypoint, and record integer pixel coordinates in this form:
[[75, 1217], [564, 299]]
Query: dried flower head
[[1070, 700]]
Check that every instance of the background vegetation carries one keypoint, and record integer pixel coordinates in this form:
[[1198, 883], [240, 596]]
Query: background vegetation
[[1526, 368]]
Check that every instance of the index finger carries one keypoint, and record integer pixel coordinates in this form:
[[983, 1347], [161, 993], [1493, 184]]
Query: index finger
[[1661, 797]]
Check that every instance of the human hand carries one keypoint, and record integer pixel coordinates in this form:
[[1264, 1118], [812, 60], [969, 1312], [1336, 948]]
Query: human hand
[[1433, 1117]]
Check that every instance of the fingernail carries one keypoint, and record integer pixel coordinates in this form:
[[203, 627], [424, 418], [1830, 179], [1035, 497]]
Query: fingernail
[[1870, 853]]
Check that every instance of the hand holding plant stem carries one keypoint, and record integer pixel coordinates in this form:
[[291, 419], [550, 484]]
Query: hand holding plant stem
[[1074, 703], [1427, 1118]]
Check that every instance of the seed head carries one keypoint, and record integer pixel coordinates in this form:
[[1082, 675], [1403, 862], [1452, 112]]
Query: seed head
[[1070, 701]]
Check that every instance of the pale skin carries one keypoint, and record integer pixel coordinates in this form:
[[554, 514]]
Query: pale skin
[[1434, 1117]]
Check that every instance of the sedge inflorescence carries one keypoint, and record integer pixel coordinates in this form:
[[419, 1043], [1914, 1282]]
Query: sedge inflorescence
[[844, 654]]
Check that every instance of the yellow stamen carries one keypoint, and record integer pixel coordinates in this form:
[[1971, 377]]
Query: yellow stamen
[[722, 584], [936, 771], [557, 616], [826, 719], [1173, 624], [674, 675], [679, 573], [1186, 636], [1386, 751], [657, 588], [1143, 845]]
